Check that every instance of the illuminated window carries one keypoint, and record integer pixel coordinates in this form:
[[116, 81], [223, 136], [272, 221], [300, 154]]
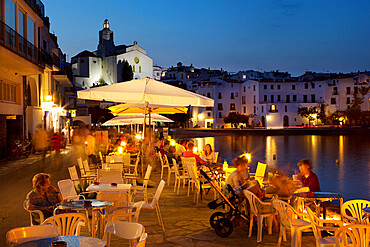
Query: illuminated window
[[333, 101], [232, 107], [273, 108], [133, 68], [139, 69], [220, 108]]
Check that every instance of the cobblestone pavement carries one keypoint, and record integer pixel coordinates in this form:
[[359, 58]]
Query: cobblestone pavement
[[185, 223]]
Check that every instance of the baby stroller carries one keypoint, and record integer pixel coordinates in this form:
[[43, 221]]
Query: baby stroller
[[220, 221]]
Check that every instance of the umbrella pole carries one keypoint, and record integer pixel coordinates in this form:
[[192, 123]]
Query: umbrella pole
[[142, 145]]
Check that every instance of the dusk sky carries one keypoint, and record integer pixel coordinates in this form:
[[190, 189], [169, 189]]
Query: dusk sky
[[288, 35]]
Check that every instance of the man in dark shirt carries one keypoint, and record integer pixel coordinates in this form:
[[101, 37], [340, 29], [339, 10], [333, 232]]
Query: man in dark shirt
[[308, 178]]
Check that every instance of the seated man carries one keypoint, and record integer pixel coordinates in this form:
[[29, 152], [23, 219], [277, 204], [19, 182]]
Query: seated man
[[43, 197], [308, 178], [189, 153]]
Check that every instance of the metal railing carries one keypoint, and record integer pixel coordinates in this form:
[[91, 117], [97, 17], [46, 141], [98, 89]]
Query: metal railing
[[13, 41]]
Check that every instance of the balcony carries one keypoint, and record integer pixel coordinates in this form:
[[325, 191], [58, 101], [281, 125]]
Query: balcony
[[37, 6], [11, 40]]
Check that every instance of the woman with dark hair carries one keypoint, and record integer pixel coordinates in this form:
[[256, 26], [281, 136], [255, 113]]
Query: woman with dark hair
[[208, 153]]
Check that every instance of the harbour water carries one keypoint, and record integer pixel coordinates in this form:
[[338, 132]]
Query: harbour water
[[342, 163]]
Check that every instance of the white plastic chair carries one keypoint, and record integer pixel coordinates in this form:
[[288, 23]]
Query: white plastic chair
[[354, 207], [144, 187], [154, 204], [119, 199], [87, 169], [126, 230], [109, 180], [142, 240], [289, 220], [187, 164], [199, 185], [75, 178], [255, 210], [131, 170], [131, 216], [165, 164], [178, 177], [29, 233], [37, 212], [317, 227], [68, 224], [357, 235]]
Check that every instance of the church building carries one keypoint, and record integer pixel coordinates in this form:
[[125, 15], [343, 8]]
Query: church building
[[92, 68]]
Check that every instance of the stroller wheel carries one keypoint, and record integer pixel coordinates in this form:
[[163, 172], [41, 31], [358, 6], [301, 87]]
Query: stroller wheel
[[223, 227], [214, 217]]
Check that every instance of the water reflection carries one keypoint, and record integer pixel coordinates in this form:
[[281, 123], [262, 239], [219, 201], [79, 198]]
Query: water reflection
[[351, 177]]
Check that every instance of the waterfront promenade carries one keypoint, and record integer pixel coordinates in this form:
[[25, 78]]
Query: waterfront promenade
[[186, 224]]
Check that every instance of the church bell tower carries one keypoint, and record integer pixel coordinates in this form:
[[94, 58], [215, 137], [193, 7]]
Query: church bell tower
[[106, 45]]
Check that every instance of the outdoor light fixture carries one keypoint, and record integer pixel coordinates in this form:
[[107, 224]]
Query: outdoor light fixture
[[86, 143], [200, 116], [120, 150], [268, 117], [48, 98], [173, 143]]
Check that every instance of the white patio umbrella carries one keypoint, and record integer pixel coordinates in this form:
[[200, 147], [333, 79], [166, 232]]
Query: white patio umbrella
[[129, 109], [135, 119]]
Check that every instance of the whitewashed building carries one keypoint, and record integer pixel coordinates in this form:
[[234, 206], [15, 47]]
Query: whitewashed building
[[105, 64]]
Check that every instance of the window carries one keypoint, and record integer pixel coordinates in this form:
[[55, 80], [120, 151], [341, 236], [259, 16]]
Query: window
[[348, 100], [30, 30], [355, 90], [232, 107], [305, 98], [133, 68], [232, 96], [278, 87], [272, 98], [209, 95], [306, 85], [9, 92], [278, 98], [262, 109], [264, 86], [236, 94], [265, 98], [243, 89], [244, 109], [254, 87], [20, 23], [273, 108], [254, 109], [272, 87], [313, 98], [294, 98], [286, 108], [220, 108], [220, 115], [10, 13], [254, 99], [333, 101], [293, 87], [243, 99], [335, 90], [348, 89], [313, 85], [208, 114], [219, 95], [287, 98], [140, 70], [232, 85]]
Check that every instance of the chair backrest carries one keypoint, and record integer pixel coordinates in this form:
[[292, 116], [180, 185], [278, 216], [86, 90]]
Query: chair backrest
[[285, 211], [133, 216], [126, 230], [260, 172], [216, 157], [67, 189], [174, 163], [147, 175], [253, 200], [158, 193], [29, 233], [68, 224], [354, 207], [314, 223], [109, 180], [165, 160], [120, 199], [358, 235], [142, 240], [81, 166], [74, 175], [188, 160], [109, 173], [126, 159], [163, 164], [189, 170], [101, 157], [86, 166], [114, 158]]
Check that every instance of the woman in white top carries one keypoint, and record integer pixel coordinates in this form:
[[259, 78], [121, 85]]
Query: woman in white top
[[208, 153]]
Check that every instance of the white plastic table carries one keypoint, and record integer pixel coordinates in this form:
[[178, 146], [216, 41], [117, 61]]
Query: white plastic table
[[72, 241], [109, 188]]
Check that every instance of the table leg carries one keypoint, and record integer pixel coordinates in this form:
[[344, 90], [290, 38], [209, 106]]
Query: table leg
[[93, 222], [324, 210]]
